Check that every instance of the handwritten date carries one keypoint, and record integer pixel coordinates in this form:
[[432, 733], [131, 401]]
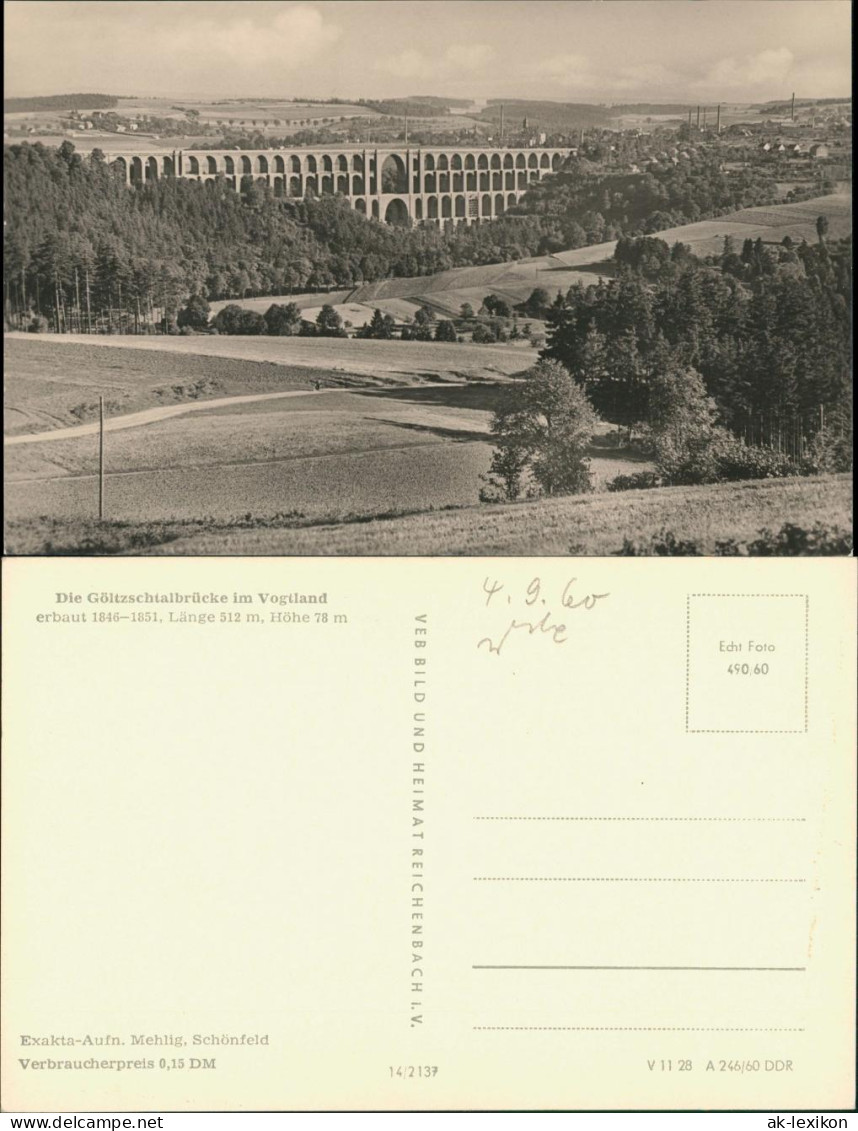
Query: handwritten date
[[548, 626]]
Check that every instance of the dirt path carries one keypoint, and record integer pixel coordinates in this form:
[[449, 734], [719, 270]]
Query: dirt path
[[153, 415], [165, 412]]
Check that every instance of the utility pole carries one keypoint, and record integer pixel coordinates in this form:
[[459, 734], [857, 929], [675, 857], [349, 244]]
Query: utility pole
[[100, 458], [88, 309]]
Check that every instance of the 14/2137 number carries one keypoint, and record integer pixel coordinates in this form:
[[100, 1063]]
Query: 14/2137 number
[[412, 1071], [748, 669]]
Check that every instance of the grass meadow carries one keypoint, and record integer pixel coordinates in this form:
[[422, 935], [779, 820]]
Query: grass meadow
[[328, 457], [594, 524]]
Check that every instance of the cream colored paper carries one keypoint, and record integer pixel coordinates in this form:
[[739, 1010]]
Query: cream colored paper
[[593, 868]]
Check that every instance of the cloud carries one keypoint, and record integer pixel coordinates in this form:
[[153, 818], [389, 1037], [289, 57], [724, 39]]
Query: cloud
[[760, 75], [767, 68], [645, 76], [412, 64], [408, 64], [765, 74], [295, 36], [470, 57], [576, 72], [566, 70], [822, 77]]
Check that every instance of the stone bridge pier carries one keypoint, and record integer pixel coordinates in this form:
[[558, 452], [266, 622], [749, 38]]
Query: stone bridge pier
[[438, 186]]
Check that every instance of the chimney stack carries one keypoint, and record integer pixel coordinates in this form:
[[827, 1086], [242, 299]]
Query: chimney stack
[[718, 120], [501, 124], [698, 117], [792, 111]]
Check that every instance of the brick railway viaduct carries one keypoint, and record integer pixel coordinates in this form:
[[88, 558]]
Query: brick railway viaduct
[[440, 186]]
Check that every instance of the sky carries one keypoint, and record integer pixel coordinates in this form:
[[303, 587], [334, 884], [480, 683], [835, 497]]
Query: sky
[[564, 50]]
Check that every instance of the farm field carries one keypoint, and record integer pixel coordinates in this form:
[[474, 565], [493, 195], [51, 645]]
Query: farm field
[[771, 224], [393, 361], [511, 280], [52, 381], [270, 117], [584, 525], [111, 144], [360, 483], [303, 302], [276, 113], [242, 111]]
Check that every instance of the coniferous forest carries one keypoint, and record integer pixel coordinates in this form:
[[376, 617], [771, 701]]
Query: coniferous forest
[[768, 330]]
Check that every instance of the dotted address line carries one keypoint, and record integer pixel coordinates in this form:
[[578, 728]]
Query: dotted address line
[[781, 819], [636, 880], [621, 1029]]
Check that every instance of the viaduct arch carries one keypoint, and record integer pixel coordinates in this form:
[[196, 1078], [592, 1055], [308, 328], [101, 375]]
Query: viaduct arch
[[437, 186]]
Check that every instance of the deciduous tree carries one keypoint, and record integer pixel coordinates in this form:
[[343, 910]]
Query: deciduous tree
[[329, 324], [542, 429], [194, 314], [283, 319]]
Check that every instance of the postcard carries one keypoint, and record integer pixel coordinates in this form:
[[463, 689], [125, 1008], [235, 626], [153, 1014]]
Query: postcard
[[429, 593], [589, 295], [471, 834]]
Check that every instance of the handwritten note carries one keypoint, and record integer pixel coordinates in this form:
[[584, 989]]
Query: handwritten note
[[537, 611]]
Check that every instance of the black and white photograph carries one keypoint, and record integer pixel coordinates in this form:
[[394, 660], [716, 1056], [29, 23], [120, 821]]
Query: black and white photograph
[[428, 277]]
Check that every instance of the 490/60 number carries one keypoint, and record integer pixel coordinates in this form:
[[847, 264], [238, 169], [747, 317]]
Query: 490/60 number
[[748, 669]]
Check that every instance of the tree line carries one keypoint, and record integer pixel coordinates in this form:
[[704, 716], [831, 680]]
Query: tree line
[[287, 320], [579, 205], [60, 102]]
